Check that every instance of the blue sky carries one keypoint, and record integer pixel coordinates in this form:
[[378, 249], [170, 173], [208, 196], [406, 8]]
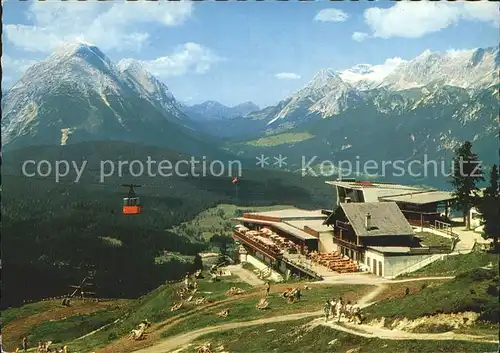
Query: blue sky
[[239, 51]]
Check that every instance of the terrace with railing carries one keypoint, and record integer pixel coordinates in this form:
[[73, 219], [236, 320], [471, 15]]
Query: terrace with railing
[[278, 247], [266, 241], [416, 218]]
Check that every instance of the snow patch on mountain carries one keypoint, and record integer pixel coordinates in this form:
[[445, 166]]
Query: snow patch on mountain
[[474, 68], [326, 94], [366, 76], [331, 92]]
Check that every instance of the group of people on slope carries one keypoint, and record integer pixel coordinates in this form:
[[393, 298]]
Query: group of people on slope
[[190, 285], [335, 309], [42, 347]]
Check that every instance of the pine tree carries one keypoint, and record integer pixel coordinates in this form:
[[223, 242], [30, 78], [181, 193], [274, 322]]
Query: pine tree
[[489, 207], [467, 172]]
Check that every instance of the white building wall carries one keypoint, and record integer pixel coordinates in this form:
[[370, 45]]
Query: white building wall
[[397, 265], [393, 266], [325, 243], [377, 267]]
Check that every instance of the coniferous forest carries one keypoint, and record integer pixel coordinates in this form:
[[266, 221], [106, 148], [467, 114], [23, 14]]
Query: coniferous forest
[[55, 232]]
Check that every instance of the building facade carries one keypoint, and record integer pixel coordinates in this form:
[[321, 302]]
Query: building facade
[[420, 206], [369, 229]]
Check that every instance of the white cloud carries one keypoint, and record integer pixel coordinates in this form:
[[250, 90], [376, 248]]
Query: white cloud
[[331, 15], [416, 19], [116, 26], [287, 76], [371, 73], [452, 53], [187, 58], [359, 36], [14, 67]]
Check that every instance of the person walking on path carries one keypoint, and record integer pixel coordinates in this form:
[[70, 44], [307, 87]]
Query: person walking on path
[[356, 313], [339, 306], [24, 344], [326, 309], [268, 288]]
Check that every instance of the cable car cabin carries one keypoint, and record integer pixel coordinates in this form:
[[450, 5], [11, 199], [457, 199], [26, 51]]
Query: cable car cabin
[[131, 203]]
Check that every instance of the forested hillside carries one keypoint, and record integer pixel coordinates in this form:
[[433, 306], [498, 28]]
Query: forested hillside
[[54, 231]]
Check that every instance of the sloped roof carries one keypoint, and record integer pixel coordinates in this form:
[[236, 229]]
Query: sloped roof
[[386, 218]]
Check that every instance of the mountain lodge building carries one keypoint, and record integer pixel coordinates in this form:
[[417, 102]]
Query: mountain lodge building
[[420, 206], [370, 229]]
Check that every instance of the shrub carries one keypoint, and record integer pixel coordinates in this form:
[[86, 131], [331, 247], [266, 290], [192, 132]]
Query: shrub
[[112, 336], [477, 275], [492, 290]]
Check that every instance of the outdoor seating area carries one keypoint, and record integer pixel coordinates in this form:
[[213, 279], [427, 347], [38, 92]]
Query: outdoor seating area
[[270, 240], [334, 261]]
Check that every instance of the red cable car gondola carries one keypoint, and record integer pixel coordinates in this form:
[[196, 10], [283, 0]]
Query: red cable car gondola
[[131, 204]]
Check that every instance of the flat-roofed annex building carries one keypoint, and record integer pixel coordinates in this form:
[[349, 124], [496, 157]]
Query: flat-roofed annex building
[[420, 206]]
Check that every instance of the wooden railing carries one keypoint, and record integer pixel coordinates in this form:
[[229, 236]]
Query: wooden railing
[[425, 217], [343, 225], [346, 243], [303, 264], [260, 247]]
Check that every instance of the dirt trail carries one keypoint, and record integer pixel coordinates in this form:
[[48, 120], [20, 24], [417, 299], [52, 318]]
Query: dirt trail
[[365, 300], [383, 333], [155, 331], [175, 342], [123, 343], [416, 279], [172, 343], [368, 279]]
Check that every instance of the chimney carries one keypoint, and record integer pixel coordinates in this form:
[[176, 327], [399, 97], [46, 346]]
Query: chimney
[[368, 221]]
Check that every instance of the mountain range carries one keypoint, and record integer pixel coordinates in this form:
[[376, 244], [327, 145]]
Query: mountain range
[[422, 109], [331, 92], [78, 94], [438, 99], [214, 110]]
